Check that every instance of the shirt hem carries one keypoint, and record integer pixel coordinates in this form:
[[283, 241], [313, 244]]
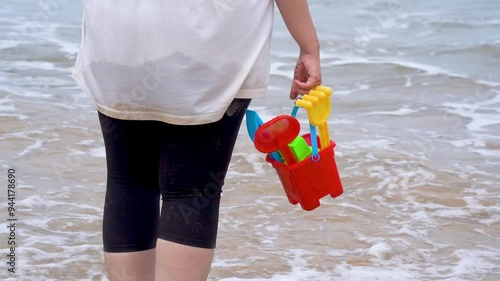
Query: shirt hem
[[162, 117]]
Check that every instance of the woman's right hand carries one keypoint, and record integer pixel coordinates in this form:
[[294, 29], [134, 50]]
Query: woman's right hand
[[307, 74]]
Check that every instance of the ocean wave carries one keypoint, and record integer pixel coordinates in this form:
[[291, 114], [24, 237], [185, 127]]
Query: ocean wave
[[400, 111], [481, 114], [463, 24], [424, 68], [486, 49]]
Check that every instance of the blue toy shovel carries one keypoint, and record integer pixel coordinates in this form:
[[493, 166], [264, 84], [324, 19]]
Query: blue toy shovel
[[254, 121]]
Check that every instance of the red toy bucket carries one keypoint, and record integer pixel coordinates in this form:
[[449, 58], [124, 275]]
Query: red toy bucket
[[307, 181]]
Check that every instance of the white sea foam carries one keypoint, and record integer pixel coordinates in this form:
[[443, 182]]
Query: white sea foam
[[7, 44], [400, 111], [380, 250], [35, 201], [344, 92], [488, 82], [425, 68], [277, 69], [481, 114], [36, 145], [487, 153], [347, 205], [6, 108], [98, 152], [17, 116], [33, 65], [468, 142], [25, 92], [363, 87]]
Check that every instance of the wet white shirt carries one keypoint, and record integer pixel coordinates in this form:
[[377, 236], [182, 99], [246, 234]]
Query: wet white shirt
[[180, 62]]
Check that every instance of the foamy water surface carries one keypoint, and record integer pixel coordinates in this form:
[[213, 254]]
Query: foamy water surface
[[415, 115]]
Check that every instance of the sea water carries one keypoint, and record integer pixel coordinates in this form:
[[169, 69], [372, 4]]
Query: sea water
[[415, 115]]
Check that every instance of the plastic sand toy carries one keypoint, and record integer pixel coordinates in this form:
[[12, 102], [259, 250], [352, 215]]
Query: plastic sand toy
[[308, 172], [317, 104], [253, 122], [276, 135]]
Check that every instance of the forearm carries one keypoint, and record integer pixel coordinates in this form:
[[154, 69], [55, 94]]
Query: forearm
[[298, 20]]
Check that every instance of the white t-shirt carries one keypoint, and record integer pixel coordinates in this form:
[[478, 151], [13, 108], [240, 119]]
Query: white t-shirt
[[180, 62]]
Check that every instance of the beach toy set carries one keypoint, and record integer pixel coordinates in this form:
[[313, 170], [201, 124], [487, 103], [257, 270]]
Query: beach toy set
[[304, 164]]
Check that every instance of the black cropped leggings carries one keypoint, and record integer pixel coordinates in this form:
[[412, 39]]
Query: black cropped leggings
[[184, 166]]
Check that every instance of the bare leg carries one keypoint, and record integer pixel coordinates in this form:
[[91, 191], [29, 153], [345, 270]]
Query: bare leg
[[177, 262], [131, 266]]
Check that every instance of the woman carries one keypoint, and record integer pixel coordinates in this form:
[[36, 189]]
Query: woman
[[171, 81]]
